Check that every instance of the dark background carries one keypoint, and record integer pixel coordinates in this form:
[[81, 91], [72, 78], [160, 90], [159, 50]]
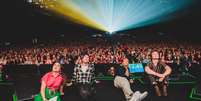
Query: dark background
[[21, 22]]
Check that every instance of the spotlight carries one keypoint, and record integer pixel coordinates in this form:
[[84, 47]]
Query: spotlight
[[52, 5], [110, 32], [29, 1], [41, 6], [36, 3]]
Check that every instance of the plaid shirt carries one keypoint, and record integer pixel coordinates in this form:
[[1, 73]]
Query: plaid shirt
[[87, 77]]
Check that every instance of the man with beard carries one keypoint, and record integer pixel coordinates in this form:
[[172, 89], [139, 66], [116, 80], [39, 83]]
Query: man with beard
[[158, 73]]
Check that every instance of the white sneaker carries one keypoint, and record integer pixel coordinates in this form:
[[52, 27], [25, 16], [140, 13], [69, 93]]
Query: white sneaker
[[136, 96], [143, 95], [137, 92]]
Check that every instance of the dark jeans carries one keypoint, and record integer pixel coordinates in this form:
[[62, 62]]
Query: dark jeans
[[86, 92], [160, 87]]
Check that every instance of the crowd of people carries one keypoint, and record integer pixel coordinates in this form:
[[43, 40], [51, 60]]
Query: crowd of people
[[101, 52]]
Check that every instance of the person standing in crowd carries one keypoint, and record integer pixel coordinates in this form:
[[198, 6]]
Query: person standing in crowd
[[122, 80], [158, 73], [3, 75], [84, 78], [51, 85]]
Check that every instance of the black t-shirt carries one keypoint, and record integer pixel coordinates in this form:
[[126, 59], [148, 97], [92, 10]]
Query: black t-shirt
[[159, 68]]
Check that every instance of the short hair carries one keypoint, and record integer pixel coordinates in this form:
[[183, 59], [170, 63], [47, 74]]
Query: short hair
[[83, 54], [153, 52], [58, 63]]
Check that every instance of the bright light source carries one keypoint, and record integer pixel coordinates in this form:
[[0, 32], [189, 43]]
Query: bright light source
[[117, 15], [29, 1], [110, 31]]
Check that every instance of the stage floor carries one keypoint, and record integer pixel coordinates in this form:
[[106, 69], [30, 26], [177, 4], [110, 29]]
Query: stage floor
[[107, 92]]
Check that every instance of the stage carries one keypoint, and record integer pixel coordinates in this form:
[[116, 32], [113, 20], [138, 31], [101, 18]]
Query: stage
[[105, 91]]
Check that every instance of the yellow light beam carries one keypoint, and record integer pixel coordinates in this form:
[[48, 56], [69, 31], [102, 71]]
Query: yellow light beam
[[68, 10]]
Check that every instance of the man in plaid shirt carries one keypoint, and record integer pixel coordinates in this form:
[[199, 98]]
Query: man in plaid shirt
[[84, 78]]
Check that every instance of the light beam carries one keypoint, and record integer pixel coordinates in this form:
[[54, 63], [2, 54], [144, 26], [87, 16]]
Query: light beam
[[117, 15]]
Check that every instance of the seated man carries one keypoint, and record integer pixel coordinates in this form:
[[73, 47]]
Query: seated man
[[158, 72], [122, 80], [84, 78]]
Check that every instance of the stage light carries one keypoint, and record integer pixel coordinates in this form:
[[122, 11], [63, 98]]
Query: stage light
[[111, 32], [117, 15], [37, 3], [29, 1]]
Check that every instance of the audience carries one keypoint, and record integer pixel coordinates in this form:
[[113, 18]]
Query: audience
[[102, 51]]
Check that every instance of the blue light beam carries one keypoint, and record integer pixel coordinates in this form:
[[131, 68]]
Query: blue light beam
[[119, 15]]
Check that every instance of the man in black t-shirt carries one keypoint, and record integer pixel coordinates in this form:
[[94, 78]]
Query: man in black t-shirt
[[158, 72]]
